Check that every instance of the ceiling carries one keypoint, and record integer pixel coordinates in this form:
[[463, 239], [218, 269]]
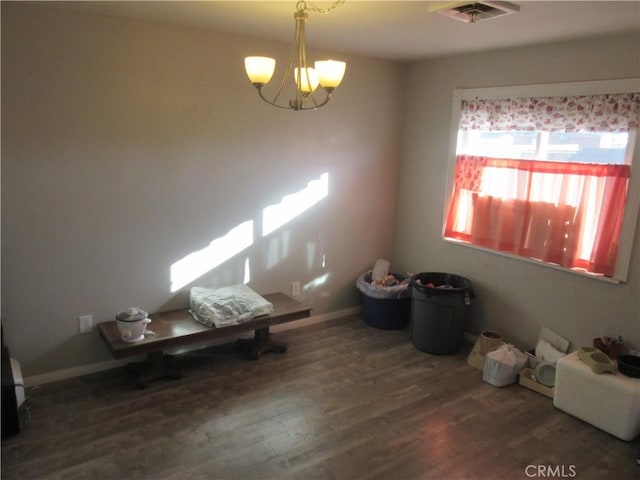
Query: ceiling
[[394, 30]]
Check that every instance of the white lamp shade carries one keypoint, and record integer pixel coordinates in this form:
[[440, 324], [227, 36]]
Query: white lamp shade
[[308, 81], [259, 69], [330, 72]]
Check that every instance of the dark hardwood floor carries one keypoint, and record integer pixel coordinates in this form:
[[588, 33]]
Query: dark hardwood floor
[[345, 402]]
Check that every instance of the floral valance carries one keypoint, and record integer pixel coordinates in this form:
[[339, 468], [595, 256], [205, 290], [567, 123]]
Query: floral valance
[[586, 113]]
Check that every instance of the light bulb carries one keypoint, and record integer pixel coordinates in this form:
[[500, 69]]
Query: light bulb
[[308, 81]]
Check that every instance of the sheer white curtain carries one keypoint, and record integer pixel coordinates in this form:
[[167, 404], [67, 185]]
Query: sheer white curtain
[[566, 213]]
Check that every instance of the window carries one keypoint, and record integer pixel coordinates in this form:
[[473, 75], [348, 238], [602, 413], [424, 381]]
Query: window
[[546, 176]]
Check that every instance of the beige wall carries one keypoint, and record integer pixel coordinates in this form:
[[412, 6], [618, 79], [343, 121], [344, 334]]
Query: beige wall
[[127, 146], [514, 297]]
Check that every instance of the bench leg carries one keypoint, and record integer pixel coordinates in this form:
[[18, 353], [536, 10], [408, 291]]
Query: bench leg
[[260, 343], [158, 365]]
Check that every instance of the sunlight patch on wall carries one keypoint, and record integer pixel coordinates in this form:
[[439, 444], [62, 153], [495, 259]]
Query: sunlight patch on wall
[[241, 237], [274, 216], [316, 282], [247, 271], [219, 251]]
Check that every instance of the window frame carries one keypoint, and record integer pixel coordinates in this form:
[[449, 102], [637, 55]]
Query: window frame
[[598, 87]]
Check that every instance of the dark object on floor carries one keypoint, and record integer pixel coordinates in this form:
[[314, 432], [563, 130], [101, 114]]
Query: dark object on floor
[[629, 365], [439, 307], [10, 419]]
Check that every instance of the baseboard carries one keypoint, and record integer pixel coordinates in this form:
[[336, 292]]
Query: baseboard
[[90, 368], [72, 372], [312, 320]]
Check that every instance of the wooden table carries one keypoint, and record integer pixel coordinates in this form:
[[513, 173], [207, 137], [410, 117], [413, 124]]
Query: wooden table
[[178, 328]]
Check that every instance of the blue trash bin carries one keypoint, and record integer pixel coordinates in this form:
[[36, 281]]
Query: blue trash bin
[[386, 308]]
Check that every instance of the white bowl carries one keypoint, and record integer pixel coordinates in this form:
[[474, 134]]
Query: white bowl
[[546, 374]]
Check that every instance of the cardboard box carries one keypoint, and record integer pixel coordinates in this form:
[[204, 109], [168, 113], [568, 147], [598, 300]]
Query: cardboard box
[[527, 380]]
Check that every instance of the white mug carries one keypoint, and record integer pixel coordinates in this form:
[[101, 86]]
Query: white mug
[[132, 331]]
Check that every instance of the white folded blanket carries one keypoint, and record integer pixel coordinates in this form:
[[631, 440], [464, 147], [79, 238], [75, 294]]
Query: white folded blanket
[[225, 306]]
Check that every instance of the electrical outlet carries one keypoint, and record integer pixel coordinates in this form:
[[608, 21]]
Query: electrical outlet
[[295, 289], [85, 323]]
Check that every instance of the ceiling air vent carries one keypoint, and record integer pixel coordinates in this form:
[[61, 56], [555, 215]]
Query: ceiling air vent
[[474, 12]]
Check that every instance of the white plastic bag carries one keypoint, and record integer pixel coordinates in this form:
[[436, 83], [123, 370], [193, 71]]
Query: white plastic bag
[[503, 365], [227, 305], [400, 288]]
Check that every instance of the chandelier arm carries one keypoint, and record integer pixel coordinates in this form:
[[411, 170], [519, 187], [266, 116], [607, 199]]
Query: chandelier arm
[[300, 18], [270, 102], [313, 100], [317, 105], [295, 107], [302, 63], [302, 96], [280, 88]]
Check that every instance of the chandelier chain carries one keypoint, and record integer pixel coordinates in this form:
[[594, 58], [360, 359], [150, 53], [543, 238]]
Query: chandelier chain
[[315, 9]]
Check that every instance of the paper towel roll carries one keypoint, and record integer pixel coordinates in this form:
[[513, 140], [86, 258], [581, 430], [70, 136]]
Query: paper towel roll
[[380, 270]]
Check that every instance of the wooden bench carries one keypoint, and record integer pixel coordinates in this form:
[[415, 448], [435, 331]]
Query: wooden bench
[[178, 328]]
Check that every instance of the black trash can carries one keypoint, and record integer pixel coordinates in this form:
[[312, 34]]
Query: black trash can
[[439, 307], [385, 308]]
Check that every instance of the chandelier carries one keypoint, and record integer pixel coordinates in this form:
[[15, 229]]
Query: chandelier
[[326, 73]]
